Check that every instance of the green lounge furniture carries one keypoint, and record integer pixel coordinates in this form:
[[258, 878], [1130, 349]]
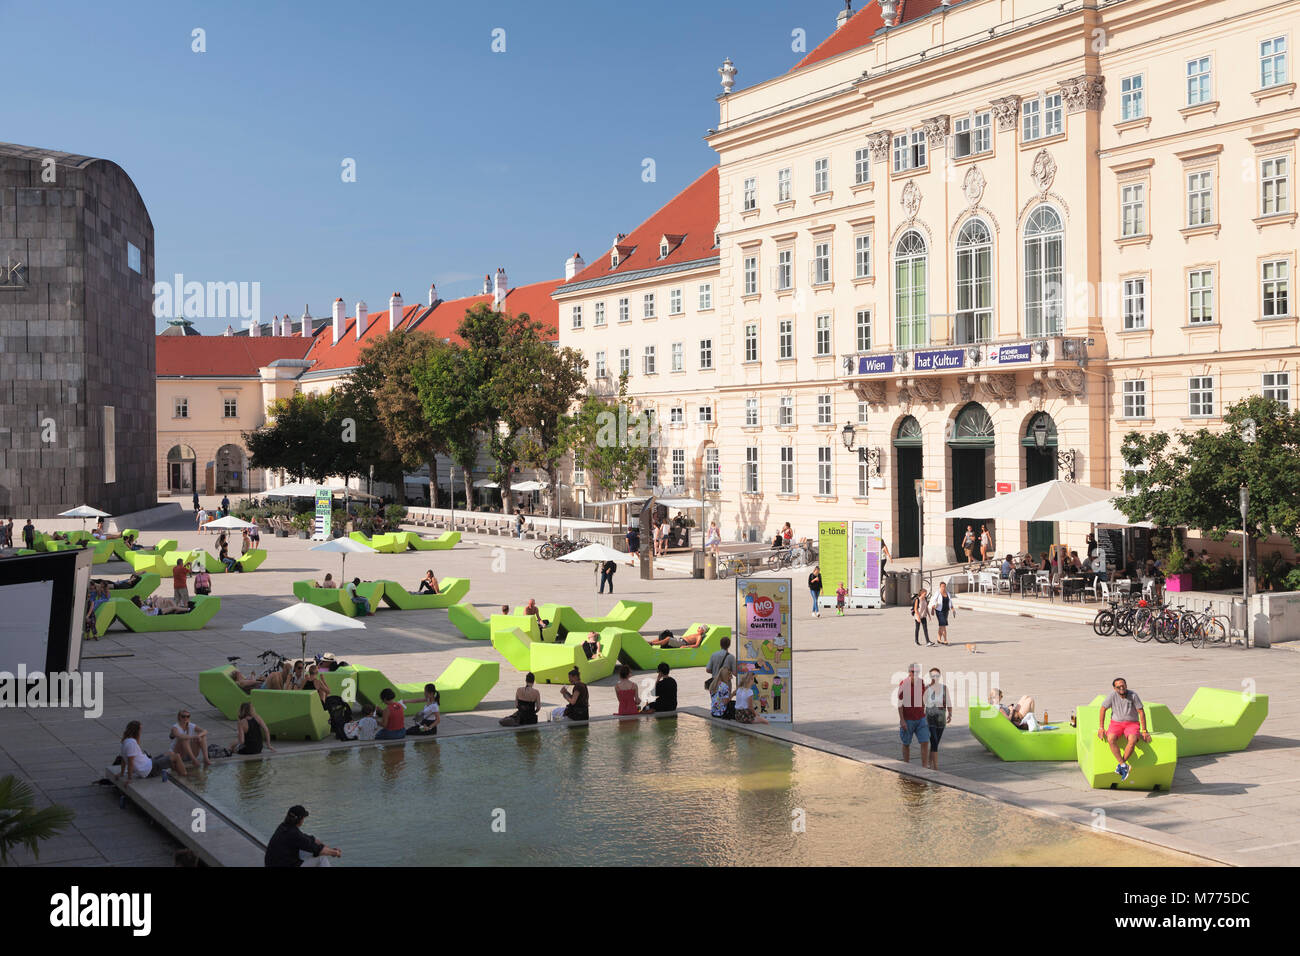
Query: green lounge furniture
[[461, 687], [551, 663], [338, 599], [470, 621], [1214, 721], [636, 651], [450, 591], [147, 584], [104, 551], [251, 560], [160, 562], [1150, 768], [134, 619], [526, 623], [292, 714], [389, 543], [220, 690], [142, 561], [444, 541], [105, 615], [1001, 738]]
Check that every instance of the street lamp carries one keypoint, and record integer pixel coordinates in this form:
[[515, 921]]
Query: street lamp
[[848, 434], [1040, 435], [1244, 494], [920, 528]]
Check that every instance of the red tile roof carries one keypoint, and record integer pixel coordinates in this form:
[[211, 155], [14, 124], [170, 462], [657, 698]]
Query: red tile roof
[[862, 26], [692, 214], [325, 354], [220, 355]]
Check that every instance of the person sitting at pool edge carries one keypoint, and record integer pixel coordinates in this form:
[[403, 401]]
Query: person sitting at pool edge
[[253, 732], [289, 846], [628, 694], [426, 723], [429, 585], [364, 729], [392, 717], [578, 697], [665, 699], [528, 701]]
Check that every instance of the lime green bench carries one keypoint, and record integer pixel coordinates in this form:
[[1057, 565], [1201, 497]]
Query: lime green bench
[[1214, 721], [470, 621], [450, 591], [1151, 767], [388, 543], [461, 687], [637, 652], [444, 541], [551, 663], [1001, 738], [147, 584], [250, 560], [338, 599], [134, 619], [292, 714], [220, 690]]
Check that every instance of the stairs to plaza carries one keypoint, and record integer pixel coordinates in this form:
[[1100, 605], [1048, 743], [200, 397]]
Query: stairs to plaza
[[1039, 608]]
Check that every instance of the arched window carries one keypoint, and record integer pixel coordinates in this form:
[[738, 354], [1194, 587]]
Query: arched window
[[973, 428], [911, 313], [1044, 272], [908, 434], [974, 283]]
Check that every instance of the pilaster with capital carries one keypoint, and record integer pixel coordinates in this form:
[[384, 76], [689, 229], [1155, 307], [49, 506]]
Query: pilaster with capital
[[1083, 92]]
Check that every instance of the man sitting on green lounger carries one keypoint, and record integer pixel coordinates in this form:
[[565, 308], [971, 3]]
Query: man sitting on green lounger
[[357, 599], [1128, 719], [694, 639]]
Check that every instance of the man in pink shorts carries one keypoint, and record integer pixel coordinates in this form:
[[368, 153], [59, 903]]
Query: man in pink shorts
[[1128, 719]]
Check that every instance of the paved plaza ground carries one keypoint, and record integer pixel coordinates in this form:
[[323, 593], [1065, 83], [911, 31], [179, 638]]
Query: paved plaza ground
[[1239, 808]]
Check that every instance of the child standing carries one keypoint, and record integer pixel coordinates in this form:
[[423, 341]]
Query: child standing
[[841, 593]]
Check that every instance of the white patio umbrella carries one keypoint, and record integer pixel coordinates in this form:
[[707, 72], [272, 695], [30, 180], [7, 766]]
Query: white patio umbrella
[[303, 619], [599, 553], [229, 523], [83, 512], [343, 547], [1035, 503], [1099, 512]]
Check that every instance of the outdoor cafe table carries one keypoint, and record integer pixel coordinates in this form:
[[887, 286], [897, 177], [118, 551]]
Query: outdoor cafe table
[[1072, 585]]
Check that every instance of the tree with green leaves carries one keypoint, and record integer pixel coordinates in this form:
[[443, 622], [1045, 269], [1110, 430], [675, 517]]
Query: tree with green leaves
[[610, 441], [543, 408], [295, 437], [21, 824], [453, 407]]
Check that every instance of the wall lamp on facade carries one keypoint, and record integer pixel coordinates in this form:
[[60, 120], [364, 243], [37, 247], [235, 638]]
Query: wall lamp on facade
[[848, 434], [1040, 436], [1042, 349]]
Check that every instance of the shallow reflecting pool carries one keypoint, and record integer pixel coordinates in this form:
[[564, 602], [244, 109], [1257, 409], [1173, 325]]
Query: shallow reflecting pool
[[650, 792]]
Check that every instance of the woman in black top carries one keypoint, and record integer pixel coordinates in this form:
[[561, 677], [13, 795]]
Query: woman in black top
[[253, 735], [815, 588]]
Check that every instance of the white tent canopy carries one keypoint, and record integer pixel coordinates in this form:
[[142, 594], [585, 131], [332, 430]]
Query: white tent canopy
[[1035, 503], [1099, 512], [303, 619]]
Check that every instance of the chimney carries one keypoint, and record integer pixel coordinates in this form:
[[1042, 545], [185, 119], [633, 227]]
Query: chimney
[[844, 14], [338, 320], [433, 294], [394, 310], [255, 330], [277, 327], [306, 322], [573, 265], [362, 312], [487, 285], [499, 289], [230, 330]]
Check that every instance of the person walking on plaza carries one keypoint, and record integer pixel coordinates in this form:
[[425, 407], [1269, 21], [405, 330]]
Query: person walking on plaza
[[943, 607], [841, 593], [921, 611], [633, 545], [607, 571], [196, 501], [225, 505], [1128, 719], [815, 589], [938, 713], [180, 575], [7, 534], [968, 544], [29, 535], [885, 557], [986, 543], [713, 538], [911, 715]]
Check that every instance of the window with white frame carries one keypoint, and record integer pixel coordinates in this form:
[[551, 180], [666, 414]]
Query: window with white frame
[[861, 166], [230, 408], [679, 467], [823, 409], [1272, 62], [1041, 116], [785, 410], [751, 411], [648, 305], [706, 353], [1135, 398], [1132, 105], [823, 335], [1200, 396], [751, 342], [579, 475], [864, 408], [825, 476], [821, 175], [675, 302], [1133, 209], [600, 313], [972, 135], [1135, 303], [664, 248], [1044, 272], [751, 470], [706, 295], [712, 470], [677, 415], [1277, 386], [600, 365], [751, 195], [679, 356], [783, 188], [652, 469], [577, 316], [974, 319], [911, 312], [785, 339], [648, 360], [1275, 288], [624, 362], [1274, 185], [1198, 81], [821, 263], [705, 415], [862, 330], [862, 256], [909, 150], [864, 473], [1200, 296], [750, 272], [1200, 197], [787, 469], [624, 310], [181, 408], [785, 269]]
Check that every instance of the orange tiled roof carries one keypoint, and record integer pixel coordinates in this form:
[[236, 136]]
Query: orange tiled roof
[[862, 26], [325, 354], [221, 355]]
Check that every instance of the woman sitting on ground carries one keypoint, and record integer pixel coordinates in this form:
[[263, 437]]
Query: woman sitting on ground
[[392, 717], [364, 729], [253, 733], [528, 701], [746, 699], [137, 764], [429, 585], [720, 690], [426, 723], [629, 697]]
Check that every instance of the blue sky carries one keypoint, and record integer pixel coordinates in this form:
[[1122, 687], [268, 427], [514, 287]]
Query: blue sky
[[466, 159]]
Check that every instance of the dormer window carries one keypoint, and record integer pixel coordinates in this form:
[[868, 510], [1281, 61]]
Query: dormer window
[[663, 248], [620, 252], [613, 258], [667, 243]]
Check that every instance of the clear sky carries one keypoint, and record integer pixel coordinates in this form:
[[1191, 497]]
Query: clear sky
[[466, 159]]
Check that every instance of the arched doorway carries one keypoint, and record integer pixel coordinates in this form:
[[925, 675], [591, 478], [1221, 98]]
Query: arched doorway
[[1039, 442], [972, 460], [230, 469], [907, 457], [180, 469]]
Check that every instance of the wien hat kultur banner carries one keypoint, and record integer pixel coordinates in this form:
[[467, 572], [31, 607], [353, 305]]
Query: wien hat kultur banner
[[765, 644]]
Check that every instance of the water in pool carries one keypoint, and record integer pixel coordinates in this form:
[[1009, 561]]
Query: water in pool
[[648, 792]]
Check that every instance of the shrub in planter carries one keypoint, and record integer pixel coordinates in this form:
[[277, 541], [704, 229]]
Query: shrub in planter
[[1202, 576], [304, 522], [394, 515]]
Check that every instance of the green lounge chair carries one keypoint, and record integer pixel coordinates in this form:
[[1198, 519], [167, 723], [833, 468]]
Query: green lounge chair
[[461, 687], [444, 541], [292, 714], [105, 615], [147, 584], [252, 559], [1001, 738], [389, 543], [134, 619], [1213, 722], [450, 591], [470, 621], [551, 663], [337, 599], [104, 551], [525, 623], [1150, 768], [637, 652], [220, 690], [142, 561]]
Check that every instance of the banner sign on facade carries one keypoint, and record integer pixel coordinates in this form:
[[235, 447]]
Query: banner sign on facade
[[1010, 354], [766, 644], [324, 512], [864, 556], [875, 364], [937, 359]]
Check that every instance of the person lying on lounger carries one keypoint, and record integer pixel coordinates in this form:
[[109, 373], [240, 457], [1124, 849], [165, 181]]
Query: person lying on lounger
[[429, 585], [161, 605]]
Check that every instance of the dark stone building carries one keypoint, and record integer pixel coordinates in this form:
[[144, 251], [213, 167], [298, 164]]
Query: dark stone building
[[77, 391]]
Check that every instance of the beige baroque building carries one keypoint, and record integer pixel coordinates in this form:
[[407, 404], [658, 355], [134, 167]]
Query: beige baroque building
[[980, 241]]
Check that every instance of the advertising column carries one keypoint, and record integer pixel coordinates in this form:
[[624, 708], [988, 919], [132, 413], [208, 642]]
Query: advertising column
[[324, 513], [764, 628]]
